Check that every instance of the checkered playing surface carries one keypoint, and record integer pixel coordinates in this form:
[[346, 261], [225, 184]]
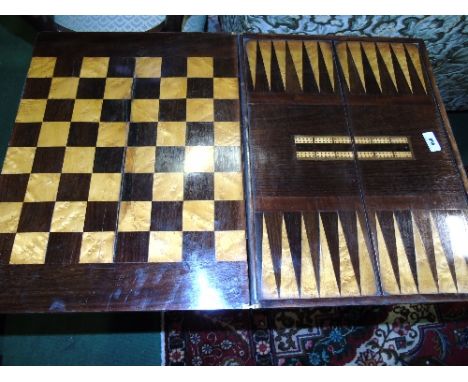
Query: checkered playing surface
[[124, 159]]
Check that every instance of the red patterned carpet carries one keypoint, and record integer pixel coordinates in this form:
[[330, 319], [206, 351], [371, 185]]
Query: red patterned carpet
[[394, 335]]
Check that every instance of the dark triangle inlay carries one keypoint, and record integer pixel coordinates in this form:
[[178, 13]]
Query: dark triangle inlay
[[309, 83], [312, 228], [440, 218], [325, 83], [292, 80], [293, 229], [354, 79], [388, 87], [276, 79], [385, 219], [403, 86], [349, 225], [261, 81], [405, 225], [418, 88], [273, 222], [330, 226], [423, 224], [372, 87]]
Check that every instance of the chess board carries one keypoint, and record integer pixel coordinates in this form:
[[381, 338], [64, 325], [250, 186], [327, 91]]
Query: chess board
[[124, 157], [210, 171]]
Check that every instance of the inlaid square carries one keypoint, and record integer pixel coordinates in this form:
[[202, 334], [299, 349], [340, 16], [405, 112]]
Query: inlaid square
[[121, 67], [29, 248], [226, 88], [171, 134], [174, 66], [112, 134], [170, 159], [118, 88], [172, 110], [108, 159], [31, 110], [199, 159], [228, 186], [68, 217], [200, 110], [78, 160], [134, 216], [142, 134], [137, 187], [168, 186], [94, 67], [199, 134], [230, 246], [42, 188], [104, 187], [227, 159], [173, 88], [63, 248], [59, 110], [48, 159], [36, 217], [74, 187], [115, 110], [83, 134], [36, 88], [166, 216], [97, 247], [227, 134], [13, 187], [41, 67], [87, 110], [91, 88], [53, 134], [226, 110], [146, 88], [201, 67], [25, 134], [9, 216], [144, 110], [229, 215], [165, 247], [198, 215], [198, 247], [18, 160], [63, 88], [198, 186], [200, 88], [132, 247], [148, 67], [101, 216], [140, 159]]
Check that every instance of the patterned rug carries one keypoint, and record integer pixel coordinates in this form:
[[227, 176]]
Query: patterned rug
[[393, 335]]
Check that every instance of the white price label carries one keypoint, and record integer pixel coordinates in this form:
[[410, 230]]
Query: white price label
[[431, 141]]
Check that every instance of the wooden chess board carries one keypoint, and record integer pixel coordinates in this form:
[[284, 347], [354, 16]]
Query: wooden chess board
[[133, 162]]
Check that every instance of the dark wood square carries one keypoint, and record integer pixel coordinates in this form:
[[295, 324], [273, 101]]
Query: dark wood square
[[166, 216], [225, 67], [198, 247], [101, 216], [59, 110], [108, 159], [132, 247], [227, 159], [91, 88], [199, 134], [174, 66], [146, 88], [121, 67], [36, 217], [73, 187], [48, 159], [115, 110], [142, 134], [200, 88], [25, 134], [170, 159], [83, 134], [226, 110], [229, 215], [137, 187], [13, 187], [198, 186], [36, 88], [63, 248], [6, 244], [172, 110], [67, 67]]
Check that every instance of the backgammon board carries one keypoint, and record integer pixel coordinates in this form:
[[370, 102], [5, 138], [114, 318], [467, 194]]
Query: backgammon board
[[208, 171]]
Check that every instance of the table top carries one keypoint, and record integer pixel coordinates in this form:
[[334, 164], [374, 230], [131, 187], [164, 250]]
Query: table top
[[210, 171]]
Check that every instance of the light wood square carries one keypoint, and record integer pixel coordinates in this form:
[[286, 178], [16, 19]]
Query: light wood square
[[68, 217], [140, 159], [171, 134], [97, 247], [104, 187], [134, 216], [226, 88], [200, 110], [165, 247], [42, 187], [87, 110], [19, 160], [42, 67], [145, 110], [63, 88], [112, 134], [228, 186], [31, 110], [230, 246], [53, 134], [94, 67], [148, 67], [78, 160], [29, 248], [168, 186], [199, 159], [200, 67], [198, 215], [118, 88], [9, 217], [173, 88], [227, 134]]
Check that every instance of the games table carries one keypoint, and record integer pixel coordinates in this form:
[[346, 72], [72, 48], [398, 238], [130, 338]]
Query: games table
[[153, 171]]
